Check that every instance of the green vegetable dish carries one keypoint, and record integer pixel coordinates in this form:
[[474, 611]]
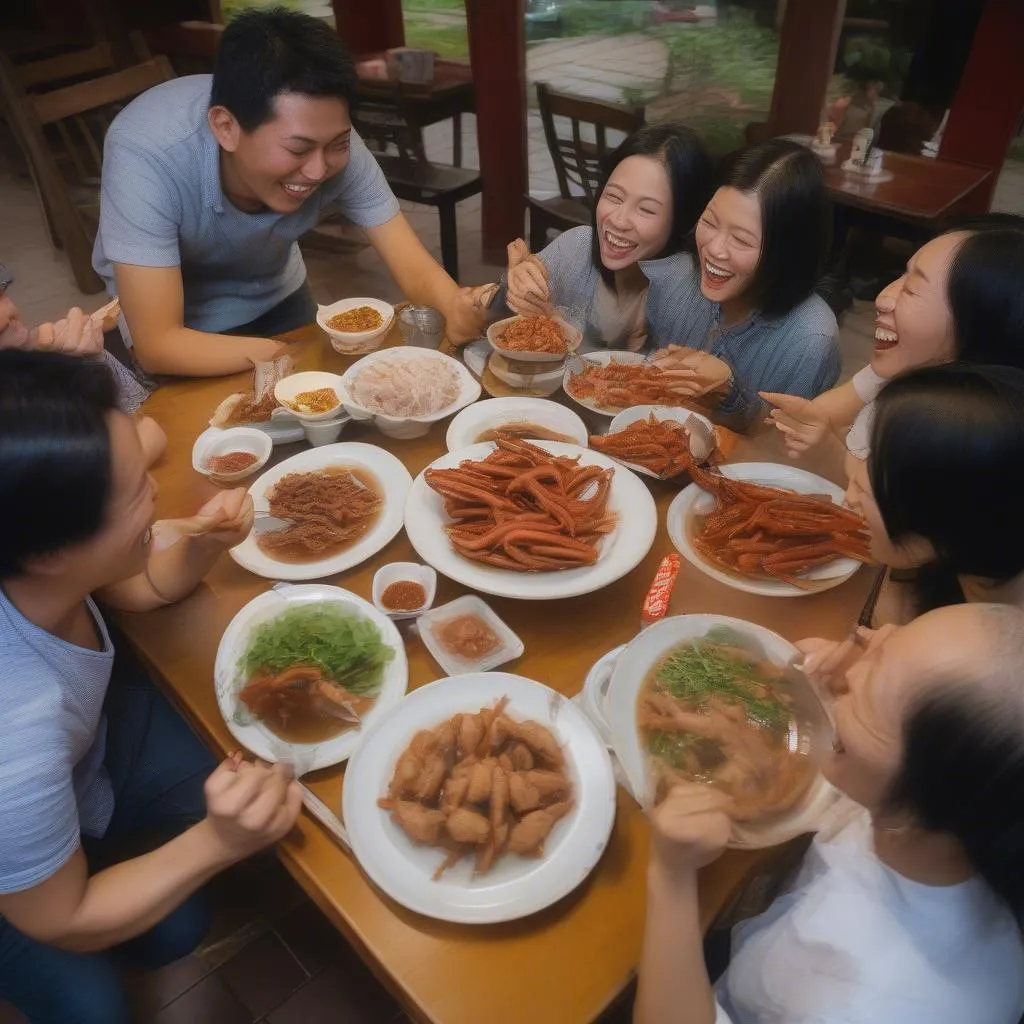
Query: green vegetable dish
[[713, 711], [312, 672]]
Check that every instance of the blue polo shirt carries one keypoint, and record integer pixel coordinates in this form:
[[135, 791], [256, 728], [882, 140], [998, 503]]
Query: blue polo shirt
[[161, 205]]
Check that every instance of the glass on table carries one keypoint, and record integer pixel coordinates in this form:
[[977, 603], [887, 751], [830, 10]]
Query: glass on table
[[421, 326]]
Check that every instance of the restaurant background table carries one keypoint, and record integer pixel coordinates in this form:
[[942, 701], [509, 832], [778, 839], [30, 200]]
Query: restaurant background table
[[922, 191], [568, 963]]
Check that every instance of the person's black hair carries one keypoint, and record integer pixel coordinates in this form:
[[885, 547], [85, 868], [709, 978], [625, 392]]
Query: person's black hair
[[984, 290], [264, 53], [689, 168], [55, 454], [962, 774], [947, 464], [796, 221]]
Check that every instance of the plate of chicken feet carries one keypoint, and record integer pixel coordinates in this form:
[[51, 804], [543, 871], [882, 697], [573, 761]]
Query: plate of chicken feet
[[480, 798]]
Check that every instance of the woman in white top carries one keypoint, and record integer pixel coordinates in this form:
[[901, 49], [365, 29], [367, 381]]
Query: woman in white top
[[960, 299], [941, 494], [908, 905]]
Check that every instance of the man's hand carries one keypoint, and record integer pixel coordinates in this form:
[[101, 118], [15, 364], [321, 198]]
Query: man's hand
[[464, 320], [250, 806]]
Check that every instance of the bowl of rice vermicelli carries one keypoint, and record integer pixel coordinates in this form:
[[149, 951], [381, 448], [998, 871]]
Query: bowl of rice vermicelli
[[534, 339], [404, 390], [355, 326]]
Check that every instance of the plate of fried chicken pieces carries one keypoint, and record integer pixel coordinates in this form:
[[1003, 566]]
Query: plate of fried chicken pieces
[[480, 798]]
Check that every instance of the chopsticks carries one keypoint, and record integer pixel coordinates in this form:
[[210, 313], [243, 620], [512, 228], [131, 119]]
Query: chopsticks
[[867, 613], [330, 821]]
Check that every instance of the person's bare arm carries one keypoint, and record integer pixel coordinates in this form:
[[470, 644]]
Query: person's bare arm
[[249, 807], [423, 280], [153, 304], [806, 423], [174, 570], [688, 831]]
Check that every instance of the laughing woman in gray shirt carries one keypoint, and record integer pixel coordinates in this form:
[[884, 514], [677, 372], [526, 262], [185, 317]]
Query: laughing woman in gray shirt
[[601, 276], [743, 317]]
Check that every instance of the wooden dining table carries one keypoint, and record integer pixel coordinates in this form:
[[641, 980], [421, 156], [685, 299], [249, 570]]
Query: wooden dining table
[[568, 963], [921, 191]]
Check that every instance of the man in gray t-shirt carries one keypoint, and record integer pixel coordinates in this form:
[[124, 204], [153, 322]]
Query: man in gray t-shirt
[[208, 183]]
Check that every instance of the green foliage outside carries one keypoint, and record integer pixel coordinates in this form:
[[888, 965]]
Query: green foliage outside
[[230, 8]]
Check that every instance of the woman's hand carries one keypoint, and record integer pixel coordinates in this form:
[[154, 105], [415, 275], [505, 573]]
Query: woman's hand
[[528, 289], [826, 662], [232, 515], [76, 335], [250, 806], [691, 373], [802, 423], [689, 828]]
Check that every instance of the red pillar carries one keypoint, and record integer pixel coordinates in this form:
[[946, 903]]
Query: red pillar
[[807, 55], [369, 26], [988, 103], [497, 52]]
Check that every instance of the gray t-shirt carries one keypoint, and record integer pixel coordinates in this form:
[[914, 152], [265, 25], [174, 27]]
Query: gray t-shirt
[[53, 786], [161, 205]]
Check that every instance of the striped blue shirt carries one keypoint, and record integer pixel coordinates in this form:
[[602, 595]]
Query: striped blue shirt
[[161, 205], [794, 354], [53, 786]]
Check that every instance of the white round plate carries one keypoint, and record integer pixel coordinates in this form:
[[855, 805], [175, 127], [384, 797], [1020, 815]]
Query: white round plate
[[621, 550], [631, 669], [494, 412], [393, 478], [516, 886], [661, 412], [255, 736], [693, 500], [602, 358]]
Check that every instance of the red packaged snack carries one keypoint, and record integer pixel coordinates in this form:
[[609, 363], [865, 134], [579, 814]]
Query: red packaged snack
[[656, 603]]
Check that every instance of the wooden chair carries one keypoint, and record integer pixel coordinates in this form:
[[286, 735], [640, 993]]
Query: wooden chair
[[578, 161], [68, 172], [385, 126]]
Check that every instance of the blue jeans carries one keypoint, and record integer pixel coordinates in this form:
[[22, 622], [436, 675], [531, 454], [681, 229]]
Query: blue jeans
[[157, 768]]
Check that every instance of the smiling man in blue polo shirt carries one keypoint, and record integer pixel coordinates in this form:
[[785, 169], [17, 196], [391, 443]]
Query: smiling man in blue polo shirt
[[208, 183]]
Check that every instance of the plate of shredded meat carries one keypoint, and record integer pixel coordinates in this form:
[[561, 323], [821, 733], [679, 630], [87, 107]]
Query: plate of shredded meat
[[343, 503], [535, 520], [766, 528], [608, 382], [308, 668], [480, 798], [405, 390]]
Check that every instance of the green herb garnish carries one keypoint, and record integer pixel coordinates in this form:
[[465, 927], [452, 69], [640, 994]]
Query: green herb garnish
[[346, 647], [702, 670]]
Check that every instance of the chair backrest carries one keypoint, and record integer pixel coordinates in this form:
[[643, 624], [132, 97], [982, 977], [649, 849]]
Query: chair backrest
[[61, 133], [38, 75], [579, 160], [383, 123]]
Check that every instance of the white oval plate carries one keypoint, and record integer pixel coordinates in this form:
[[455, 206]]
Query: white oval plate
[[661, 412], [603, 358], [621, 550], [693, 500], [516, 886], [394, 480], [469, 386], [255, 736], [631, 668], [493, 412]]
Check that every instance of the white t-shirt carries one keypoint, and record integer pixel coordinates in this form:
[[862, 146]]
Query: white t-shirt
[[867, 384], [853, 942]]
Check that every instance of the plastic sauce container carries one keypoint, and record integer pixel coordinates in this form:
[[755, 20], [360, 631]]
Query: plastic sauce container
[[452, 631]]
